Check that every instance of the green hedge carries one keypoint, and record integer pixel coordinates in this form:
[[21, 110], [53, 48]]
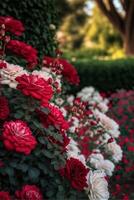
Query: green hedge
[[106, 75], [37, 15], [85, 54]]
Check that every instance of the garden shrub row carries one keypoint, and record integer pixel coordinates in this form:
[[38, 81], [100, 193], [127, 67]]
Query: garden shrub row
[[85, 54], [38, 17], [106, 75]]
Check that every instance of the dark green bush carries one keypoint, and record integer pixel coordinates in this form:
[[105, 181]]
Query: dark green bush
[[106, 75], [36, 15]]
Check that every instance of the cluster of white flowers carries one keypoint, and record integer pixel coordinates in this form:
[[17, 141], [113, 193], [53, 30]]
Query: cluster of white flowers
[[113, 149], [98, 186], [106, 145], [109, 124], [9, 73], [98, 162], [94, 99]]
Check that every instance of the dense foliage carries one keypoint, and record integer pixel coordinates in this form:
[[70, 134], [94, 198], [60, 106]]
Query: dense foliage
[[40, 22], [109, 75]]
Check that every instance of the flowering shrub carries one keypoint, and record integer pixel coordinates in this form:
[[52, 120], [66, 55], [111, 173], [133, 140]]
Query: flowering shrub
[[93, 137], [51, 147], [121, 110]]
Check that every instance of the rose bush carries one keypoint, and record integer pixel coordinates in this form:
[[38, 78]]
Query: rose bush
[[52, 146], [121, 110]]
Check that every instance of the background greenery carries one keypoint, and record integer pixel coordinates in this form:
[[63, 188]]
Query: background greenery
[[108, 75], [37, 16], [83, 25]]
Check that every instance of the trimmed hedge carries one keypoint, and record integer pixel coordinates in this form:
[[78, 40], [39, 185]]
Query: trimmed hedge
[[37, 15], [106, 75]]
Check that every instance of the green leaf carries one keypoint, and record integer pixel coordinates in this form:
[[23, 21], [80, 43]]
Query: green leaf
[[37, 124], [19, 115], [48, 154], [42, 140], [23, 167], [9, 171], [50, 193], [33, 173]]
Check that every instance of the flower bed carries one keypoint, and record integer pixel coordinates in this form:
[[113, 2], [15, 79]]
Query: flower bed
[[52, 146], [121, 110]]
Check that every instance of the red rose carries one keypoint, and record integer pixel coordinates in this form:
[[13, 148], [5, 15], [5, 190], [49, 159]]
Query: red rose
[[23, 50], [36, 87], [2, 64], [54, 118], [126, 197], [17, 136], [76, 173], [69, 71], [84, 146], [4, 108], [12, 25], [4, 195], [29, 192]]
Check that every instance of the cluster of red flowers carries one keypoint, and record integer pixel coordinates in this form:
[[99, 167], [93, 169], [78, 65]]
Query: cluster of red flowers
[[36, 87], [76, 173], [84, 146], [121, 110], [80, 111], [54, 118], [67, 70], [5, 195], [2, 64], [25, 51], [18, 137], [28, 192], [4, 108], [12, 25]]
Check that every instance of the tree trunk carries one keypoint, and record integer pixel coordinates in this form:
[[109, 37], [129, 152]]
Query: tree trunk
[[125, 25], [129, 46], [129, 31]]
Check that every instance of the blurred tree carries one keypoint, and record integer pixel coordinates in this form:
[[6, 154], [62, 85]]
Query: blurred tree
[[74, 16], [63, 8], [99, 32], [122, 19]]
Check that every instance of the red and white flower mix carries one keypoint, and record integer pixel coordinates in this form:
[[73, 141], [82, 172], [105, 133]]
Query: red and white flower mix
[[40, 121]]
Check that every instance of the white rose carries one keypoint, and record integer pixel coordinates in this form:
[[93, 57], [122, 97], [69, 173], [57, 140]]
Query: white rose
[[98, 186]]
